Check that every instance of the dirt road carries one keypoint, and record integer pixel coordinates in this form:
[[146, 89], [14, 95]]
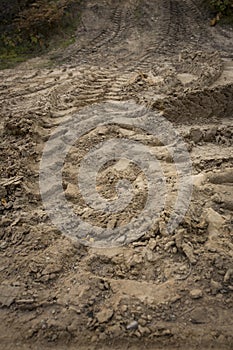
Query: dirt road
[[161, 291]]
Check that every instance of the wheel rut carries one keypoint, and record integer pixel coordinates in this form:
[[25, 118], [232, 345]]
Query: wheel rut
[[160, 56]]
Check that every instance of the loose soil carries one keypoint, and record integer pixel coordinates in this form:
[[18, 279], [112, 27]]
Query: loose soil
[[160, 291]]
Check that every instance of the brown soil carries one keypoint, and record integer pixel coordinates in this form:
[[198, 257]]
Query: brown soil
[[160, 291]]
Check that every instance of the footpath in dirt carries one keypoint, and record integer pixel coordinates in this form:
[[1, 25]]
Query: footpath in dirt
[[151, 290]]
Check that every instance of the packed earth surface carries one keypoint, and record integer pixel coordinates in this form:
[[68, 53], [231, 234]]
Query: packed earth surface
[[160, 290]]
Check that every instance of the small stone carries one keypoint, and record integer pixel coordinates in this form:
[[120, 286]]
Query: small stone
[[195, 135], [228, 275], [124, 308], [94, 339], [144, 330], [188, 251], [151, 257], [137, 334], [3, 245], [71, 191], [132, 325], [104, 315], [115, 330], [210, 134], [9, 205], [168, 245], [142, 322], [199, 315], [166, 332], [102, 336], [215, 287], [179, 236], [152, 244], [216, 198], [196, 293]]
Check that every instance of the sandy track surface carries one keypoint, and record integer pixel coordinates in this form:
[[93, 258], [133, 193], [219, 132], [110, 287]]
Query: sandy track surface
[[160, 291]]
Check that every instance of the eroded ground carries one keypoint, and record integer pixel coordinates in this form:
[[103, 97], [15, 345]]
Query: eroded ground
[[160, 291]]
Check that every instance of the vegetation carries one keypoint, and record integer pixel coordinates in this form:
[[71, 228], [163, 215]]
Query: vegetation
[[28, 27], [224, 7]]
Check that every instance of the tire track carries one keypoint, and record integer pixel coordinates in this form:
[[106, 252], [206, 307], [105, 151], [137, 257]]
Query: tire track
[[33, 105]]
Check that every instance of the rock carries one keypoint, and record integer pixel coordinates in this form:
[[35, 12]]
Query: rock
[[9, 205], [102, 336], [151, 257], [198, 180], [195, 135], [8, 294], [196, 293], [124, 308], [188, 251], [152, 244], [228, 275], [115, 330], [216, 198], [215, 287], [144, 330], [104, 315], [198, 316], [168, 245], [142, 322], [3, 245], [210, 134], [179, 236], [94, 338], [132, 325], [72, 191], [215, 223]]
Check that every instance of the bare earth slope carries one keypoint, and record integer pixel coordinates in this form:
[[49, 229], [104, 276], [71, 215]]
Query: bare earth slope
[[160, 291]]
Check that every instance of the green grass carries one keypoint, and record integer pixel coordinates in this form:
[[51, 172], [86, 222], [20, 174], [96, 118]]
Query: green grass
[[10, 59]]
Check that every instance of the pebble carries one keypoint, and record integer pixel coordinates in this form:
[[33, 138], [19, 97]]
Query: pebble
[[104, 315], [144, 330], [152, 244], [196, 293], [142, 322], [132, 325], [210, 134], [195, 135], [124, 308], [215, 287], [228, 275]]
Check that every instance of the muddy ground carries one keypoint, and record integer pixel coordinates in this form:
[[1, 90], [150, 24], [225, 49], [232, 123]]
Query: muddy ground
[[160, 291]]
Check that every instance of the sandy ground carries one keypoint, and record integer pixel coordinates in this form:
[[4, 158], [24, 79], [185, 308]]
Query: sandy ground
[[161, 291]]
